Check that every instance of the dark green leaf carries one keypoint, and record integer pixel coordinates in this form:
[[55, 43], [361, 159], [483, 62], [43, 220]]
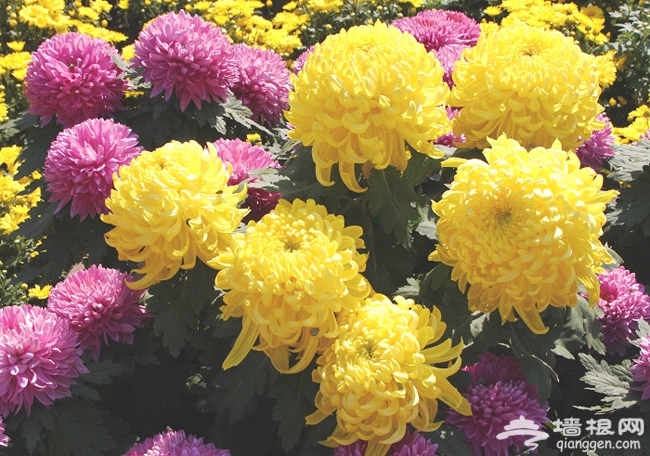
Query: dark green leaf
[[102, 372]]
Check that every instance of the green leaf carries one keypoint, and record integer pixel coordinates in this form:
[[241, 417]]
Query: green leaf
[[420, 166], [80, 431], [102, 372], [612, 381], [628, 161], [392, 199]]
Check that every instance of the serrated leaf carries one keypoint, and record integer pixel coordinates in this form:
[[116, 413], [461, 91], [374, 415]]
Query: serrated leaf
[[612, 381], [628, 161], [102, 372], [643, 329], [392, 199], [411, 290], [80, 431], [419, 167]]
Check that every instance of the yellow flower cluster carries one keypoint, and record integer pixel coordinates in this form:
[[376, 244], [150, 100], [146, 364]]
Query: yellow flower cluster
[[171, 206], [14, 204], [3, 106], [362, 96], [16, 62], [287, 277], [380, 374], [640, 126], [532, 84], [523, 230]]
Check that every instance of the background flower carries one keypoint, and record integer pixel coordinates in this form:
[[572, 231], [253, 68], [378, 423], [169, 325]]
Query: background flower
[[39, 358], [641, 368], [183, 54], [379, 375], [80, 164], [175, 443], [73, 77], [533, 85], [287, 276], [97, 304], [244, 157], [598, 147], [170, 206], [350, 105], [523, 230], [263, 84], [4, 439], [412, 444], [624, 303]]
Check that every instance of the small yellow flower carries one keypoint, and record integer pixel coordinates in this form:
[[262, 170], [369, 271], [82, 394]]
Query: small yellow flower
[[287, 277], [39, 293], [381, 374], [171, 206], [492, 11], [522, 230]]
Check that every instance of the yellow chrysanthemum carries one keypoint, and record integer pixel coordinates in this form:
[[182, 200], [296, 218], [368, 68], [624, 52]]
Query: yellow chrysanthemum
[[14, 204], [39, 293], [324, 6], [362, 95], [607, 67], [379, 375], [3, 107], [287, 277], [170, 206], [532, 84], [639, 126], [523, 230]]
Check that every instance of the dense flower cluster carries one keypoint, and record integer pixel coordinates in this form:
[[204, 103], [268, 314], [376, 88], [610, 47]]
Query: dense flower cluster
[[175, 443], [97, 304], [498, 395], [186, 55], [15, 203], [379, 375], [263, 83], [80, 164], [244, 157], [523, 230], [73, 77], [349, 102], [533, 85], [412, 444], [623, 302], [287, 277], [170, 206], [39, 358]]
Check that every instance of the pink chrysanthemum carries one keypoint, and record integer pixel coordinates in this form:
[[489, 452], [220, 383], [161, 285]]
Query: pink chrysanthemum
[[448, 56], [39, 358], [73, 77], [263, 84], [244, 157], [596, 149], [623, 301], [449, 139], [438, 28], [98, 304], [497, 395], [4, 439], [412, 444], [81, 162], [175, 443], [641, 368], [300, 61], [182, 53]]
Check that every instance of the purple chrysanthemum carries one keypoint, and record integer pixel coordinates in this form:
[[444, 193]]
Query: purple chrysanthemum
[[300, 61], [412, 444], [73, 77], [623, 302], [438, 28], [175, 443], [98, 304], [597, 148], [182, 53], [81, 162], [497, 395], [4, 439], [263, 84], [641, 368], [449, 139], [244, 157], [448, 56], [39, 358]]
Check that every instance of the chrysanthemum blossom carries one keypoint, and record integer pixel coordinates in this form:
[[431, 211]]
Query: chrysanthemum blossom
[[175, 443], [39, 358], [641, 368], [73, 77], [623, 302], [436, 29], [287, 277], [533, 85], [263, 83], [496, 401], [381, 375], [300, 61], [183, 54], [522, 230], [598, 147], [492, 368], [80, 164], [244, 157], [412, 444], [362, 96], [4, 439], [97, 304], [171, 206]]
